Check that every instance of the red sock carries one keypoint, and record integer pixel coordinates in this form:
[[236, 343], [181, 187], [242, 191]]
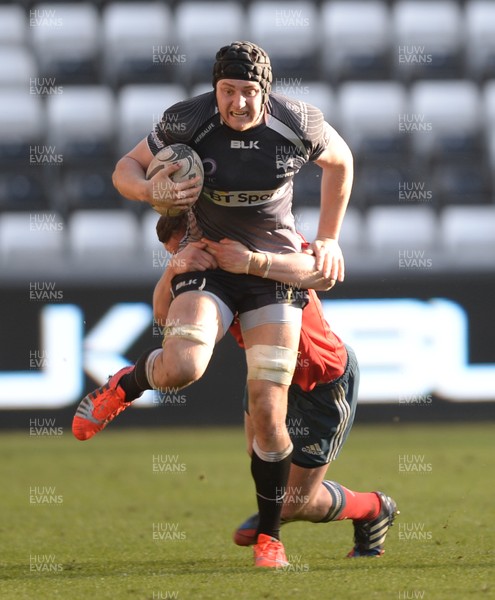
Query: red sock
[[359, 506]]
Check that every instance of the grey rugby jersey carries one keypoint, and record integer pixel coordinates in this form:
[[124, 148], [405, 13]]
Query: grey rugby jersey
[[247, 193]]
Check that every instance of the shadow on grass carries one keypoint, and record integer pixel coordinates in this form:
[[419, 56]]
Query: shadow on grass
[[160, 568], [157, 568]]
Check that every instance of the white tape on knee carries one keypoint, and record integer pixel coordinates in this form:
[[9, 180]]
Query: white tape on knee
[[201, 334], [273, 363], [272, 456]]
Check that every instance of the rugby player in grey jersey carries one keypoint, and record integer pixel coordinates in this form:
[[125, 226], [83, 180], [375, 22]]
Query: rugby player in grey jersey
[[252, 143]]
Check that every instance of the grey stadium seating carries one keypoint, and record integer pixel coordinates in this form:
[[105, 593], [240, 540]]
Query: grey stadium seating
[[290, 33], [356, 40], [409, 84], [66, 39], [200, 33], [135, 35]]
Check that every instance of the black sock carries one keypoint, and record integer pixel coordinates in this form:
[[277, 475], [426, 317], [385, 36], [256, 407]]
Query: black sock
[[135, 382], [270, 479]]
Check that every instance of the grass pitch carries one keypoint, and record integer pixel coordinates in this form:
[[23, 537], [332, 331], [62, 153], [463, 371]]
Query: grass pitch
[[147, 514]]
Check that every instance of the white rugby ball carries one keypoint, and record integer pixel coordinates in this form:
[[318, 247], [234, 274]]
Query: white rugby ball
[[191, 166]]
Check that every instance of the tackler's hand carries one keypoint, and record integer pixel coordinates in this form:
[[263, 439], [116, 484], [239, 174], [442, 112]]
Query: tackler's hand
[[329, 258], [231, 256], [193, 257]]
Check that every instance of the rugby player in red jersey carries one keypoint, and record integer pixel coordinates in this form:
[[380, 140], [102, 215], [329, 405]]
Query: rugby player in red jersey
[[322, 397]]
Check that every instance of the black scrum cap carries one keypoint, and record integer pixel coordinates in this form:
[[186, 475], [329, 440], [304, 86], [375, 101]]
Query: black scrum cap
[[246, 61]]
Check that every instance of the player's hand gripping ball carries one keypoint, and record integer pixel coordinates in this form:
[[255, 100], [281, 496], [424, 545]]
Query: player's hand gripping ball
[[191, 166]]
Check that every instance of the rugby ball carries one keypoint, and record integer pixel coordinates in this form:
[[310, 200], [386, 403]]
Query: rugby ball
[[191, 166]]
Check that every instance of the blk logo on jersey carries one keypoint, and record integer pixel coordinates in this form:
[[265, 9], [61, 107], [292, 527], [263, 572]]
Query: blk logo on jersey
[[242, 145]]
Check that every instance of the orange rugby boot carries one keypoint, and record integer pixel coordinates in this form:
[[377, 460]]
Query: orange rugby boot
[[269, 552], [100, 407]]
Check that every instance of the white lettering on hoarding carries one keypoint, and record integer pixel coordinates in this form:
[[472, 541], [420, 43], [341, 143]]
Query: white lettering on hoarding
[[60, 382], [405, 347], [411, 347]]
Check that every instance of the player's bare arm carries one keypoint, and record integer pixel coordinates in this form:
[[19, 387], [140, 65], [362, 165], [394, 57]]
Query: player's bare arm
[[337, 176], [129, 178], [293, 268]]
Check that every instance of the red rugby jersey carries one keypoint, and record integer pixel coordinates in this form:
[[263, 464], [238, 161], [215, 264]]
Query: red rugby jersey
[[322, 354]]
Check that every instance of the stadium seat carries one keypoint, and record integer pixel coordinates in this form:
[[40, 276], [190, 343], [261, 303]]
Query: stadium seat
[[318, 93], [290, 33], [488, 96], [33, 238], [81, 123], [469, 228], [369, 115], [13, 25], [27, 163], [88, 187], [149, 240], [480, 39], [22, 126], [356, 40], [138, 43], [200, 88], [462, 182], [103, 235], [18, 69], [401, 228], [428, 39], [444, 120], [352, 231], [25, 189], [140, 107], [351, 234], [385, 183], [307, 186], [201, 32], [66, 39], [307, 218], [488, 104]]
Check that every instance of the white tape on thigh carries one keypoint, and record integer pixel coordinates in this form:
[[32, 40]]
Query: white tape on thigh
[[201, 334], [274, 363]]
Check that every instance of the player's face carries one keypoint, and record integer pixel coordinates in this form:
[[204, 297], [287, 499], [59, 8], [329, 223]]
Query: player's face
[[239, 103]]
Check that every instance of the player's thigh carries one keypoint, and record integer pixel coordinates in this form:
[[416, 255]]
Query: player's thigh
[[196, 308], [319, 421], [192, 329], [271, 337], [271, 354], [273, 334]]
